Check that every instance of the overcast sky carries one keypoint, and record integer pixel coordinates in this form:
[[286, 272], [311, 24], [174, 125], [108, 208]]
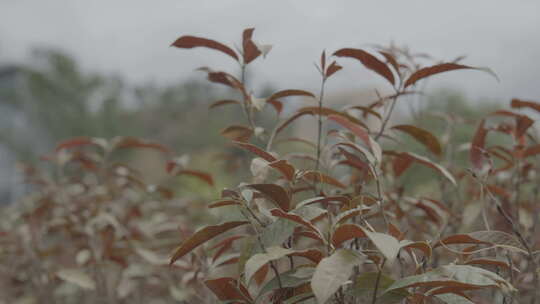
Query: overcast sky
[[132, 37]]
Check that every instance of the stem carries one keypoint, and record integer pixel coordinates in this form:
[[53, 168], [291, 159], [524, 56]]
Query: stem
[[247, 108], [377, 282], [319, 127], [387, 118]]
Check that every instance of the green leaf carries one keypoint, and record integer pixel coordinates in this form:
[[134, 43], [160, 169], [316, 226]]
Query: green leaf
[[288, 279], [332, 272], [388, 245], [277, 232], [451, 298]]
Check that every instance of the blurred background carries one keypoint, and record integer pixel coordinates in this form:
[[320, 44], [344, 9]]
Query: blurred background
[[104, 68]]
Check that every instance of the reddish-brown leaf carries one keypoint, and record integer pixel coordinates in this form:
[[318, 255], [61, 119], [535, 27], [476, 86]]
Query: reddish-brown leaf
[[332, 69], [229, 289], [476, 154], [75, 142], [298, 219], [426, 162], [277, 194], [401, 163], [439, 68], [284, 167], [256, 150], [207, 178], [523, 122], [369, 61], [313, 255], [237, 133], [251, 52], [131, 142], [530, 151], [518, 103], [222, 203], [201, 236], [347, 232], [188, 42], [287, 93], [423, 136], [315, 176], [223, 102], [354, 128], [391, 59]]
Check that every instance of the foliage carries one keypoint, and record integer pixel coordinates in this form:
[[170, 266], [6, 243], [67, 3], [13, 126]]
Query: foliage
[[336, 225]]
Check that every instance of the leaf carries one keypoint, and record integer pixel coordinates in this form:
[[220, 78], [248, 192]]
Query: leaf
[[284, 167], [450, 298], [323, 199], [423, 136], [332, 69], [429, 163], [288, 280], [491, 237], [205, 177], [221, 203], [369, 61], [388, 245], [366, 110], [478, 146], [287, 93], [256, 150], [391, 59], [77, 277], [201, 236], [251, 51], [530, 151], [332, 272], [76, 142], [462, 276], [518, 103], [275, 193], [278, 232], [223, 102], [347, 232], [316, 176], [298, 219], [237, 133], [354, 128], [316, 111], [258, 260], [441, 68], [365, 286], [132, 142], [523, 122], [228, 289], [188, 42]]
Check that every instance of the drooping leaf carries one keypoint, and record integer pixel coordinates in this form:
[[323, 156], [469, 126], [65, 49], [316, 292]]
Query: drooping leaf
[[332, 272], [324, 200], [201, 236], [287, 280], [225, 202], [258, 260], [388, 245], [423, 136], [277, 194], [251, 51], [132, 142], [369, 61], [277, 232], [188, 42], [441, 68]]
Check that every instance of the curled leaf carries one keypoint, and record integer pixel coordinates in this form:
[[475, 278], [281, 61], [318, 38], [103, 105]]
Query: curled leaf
[[188, 42]]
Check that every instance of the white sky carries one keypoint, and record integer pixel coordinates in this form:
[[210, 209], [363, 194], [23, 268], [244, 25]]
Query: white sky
[[131, 37]]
